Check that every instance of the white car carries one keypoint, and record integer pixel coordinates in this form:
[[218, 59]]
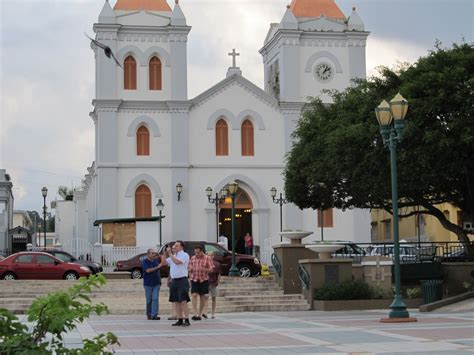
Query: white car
[[408, 253]]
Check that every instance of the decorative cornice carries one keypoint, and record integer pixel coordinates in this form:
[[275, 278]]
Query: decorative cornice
[[290, 37], [179, 106], [291, 107], [187, 166], [143, 104], [315, 39], [106, 36], [106, 105], [110, 27]]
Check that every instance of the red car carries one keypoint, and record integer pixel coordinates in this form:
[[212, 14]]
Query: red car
[[39, 266]]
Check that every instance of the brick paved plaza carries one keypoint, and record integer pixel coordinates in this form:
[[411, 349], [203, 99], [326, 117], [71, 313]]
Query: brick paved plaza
[[450, 331]]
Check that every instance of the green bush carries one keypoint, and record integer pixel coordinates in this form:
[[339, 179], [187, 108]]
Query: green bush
[[413, 293], [52, 316], [345, 290]]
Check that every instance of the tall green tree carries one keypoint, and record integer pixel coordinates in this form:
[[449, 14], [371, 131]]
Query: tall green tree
[[339, 160]]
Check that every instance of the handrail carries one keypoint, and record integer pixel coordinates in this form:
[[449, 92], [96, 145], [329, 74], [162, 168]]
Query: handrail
[[304, 277], [276, 264]]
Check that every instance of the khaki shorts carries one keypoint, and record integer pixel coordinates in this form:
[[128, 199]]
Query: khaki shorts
[[213, 291]]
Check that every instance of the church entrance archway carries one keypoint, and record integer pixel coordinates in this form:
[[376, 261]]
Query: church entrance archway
[[243, 219]]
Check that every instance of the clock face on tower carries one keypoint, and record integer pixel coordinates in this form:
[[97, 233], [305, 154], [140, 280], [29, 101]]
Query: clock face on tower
[[324, 72]]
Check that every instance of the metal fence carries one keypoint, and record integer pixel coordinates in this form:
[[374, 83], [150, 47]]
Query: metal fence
[[410, 252], [110, 255]]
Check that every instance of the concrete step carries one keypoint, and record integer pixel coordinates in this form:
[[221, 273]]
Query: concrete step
[[127, 296]]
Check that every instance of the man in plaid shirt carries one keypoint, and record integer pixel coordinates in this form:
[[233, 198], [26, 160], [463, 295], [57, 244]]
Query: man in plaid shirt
[[199, 268]]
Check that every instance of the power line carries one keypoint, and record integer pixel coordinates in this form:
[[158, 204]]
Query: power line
[[45, 172]]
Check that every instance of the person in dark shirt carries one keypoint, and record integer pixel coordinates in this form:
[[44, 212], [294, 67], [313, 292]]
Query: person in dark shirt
[[151, 283]]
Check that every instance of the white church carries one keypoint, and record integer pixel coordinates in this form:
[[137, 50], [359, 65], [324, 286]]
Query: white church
[[152, 140]]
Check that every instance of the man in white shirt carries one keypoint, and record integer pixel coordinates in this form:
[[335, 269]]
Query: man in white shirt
[[178, 261]]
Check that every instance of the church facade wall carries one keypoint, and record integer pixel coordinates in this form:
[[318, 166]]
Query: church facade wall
[[182, 132], [159, 126], [267, 128]]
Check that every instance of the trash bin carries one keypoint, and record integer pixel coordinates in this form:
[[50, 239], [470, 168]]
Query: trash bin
[[432, 290]]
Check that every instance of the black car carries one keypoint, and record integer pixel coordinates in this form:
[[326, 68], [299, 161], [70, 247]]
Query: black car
[[454, 255], [65, 256]]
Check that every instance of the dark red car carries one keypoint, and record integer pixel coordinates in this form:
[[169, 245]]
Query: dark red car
[[248, 265], [39, 266]]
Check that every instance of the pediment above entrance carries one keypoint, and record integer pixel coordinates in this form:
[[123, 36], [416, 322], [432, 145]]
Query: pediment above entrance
[[236, 84]]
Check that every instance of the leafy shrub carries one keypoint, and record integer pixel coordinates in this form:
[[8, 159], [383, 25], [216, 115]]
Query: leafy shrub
[[345, 290], [51, 317], [413, 292], [378, 292]]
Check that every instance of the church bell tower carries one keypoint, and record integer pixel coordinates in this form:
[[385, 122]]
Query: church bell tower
[[314, 47]]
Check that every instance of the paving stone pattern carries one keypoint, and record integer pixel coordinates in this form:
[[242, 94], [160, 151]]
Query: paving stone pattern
[[356, 332]]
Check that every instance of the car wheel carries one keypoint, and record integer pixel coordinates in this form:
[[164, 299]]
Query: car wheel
[[136, 274], [9, 276], [244, 270], [71, 275]]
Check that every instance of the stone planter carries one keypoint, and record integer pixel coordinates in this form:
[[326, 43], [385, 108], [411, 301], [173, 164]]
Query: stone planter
[[356, 305], [324, 250], [295, 236]]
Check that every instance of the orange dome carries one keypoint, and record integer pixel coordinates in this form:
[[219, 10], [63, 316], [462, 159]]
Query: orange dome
[[316, 8], [152, 5]]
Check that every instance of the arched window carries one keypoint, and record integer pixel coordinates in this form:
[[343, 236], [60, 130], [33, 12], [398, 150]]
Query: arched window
[[222, 138], [130, 73], [247, 138], [142, 201], [143, 141], [154, 72]]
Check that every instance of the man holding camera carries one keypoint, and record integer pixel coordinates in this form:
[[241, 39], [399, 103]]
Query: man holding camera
[[178, 261]]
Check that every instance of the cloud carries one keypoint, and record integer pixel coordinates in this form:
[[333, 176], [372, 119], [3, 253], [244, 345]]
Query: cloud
[[389, 52], [47, 75]]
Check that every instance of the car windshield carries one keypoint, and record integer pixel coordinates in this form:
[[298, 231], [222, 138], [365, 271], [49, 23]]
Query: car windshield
[[217, 250], [64, 257]]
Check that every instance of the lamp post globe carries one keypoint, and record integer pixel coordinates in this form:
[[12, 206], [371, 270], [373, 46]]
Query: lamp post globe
[[279, 201], [160, 206], [392, 135], [220, 197], [179, 189], [232, 187]]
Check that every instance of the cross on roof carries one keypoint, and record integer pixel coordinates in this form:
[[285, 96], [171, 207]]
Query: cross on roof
[[234, 54]]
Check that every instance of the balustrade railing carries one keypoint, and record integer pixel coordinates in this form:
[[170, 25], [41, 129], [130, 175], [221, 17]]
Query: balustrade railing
[[276, 264], [304, 277]]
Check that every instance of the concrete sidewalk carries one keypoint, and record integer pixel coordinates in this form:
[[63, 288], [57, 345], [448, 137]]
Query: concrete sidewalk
[[358, 332]]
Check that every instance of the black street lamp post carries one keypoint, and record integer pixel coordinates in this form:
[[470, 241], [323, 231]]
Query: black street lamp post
[[160, 206], [216, 201], [44, 192], [392, 135], [233, 186], [279, 201]]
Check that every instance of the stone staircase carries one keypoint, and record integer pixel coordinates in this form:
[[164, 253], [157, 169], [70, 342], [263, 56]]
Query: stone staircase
[[127, 297]]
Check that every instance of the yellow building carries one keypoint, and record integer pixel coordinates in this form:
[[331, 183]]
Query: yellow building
[[424, 226]]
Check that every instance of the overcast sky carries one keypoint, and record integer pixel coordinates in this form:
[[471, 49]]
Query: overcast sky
[[47, 68]]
